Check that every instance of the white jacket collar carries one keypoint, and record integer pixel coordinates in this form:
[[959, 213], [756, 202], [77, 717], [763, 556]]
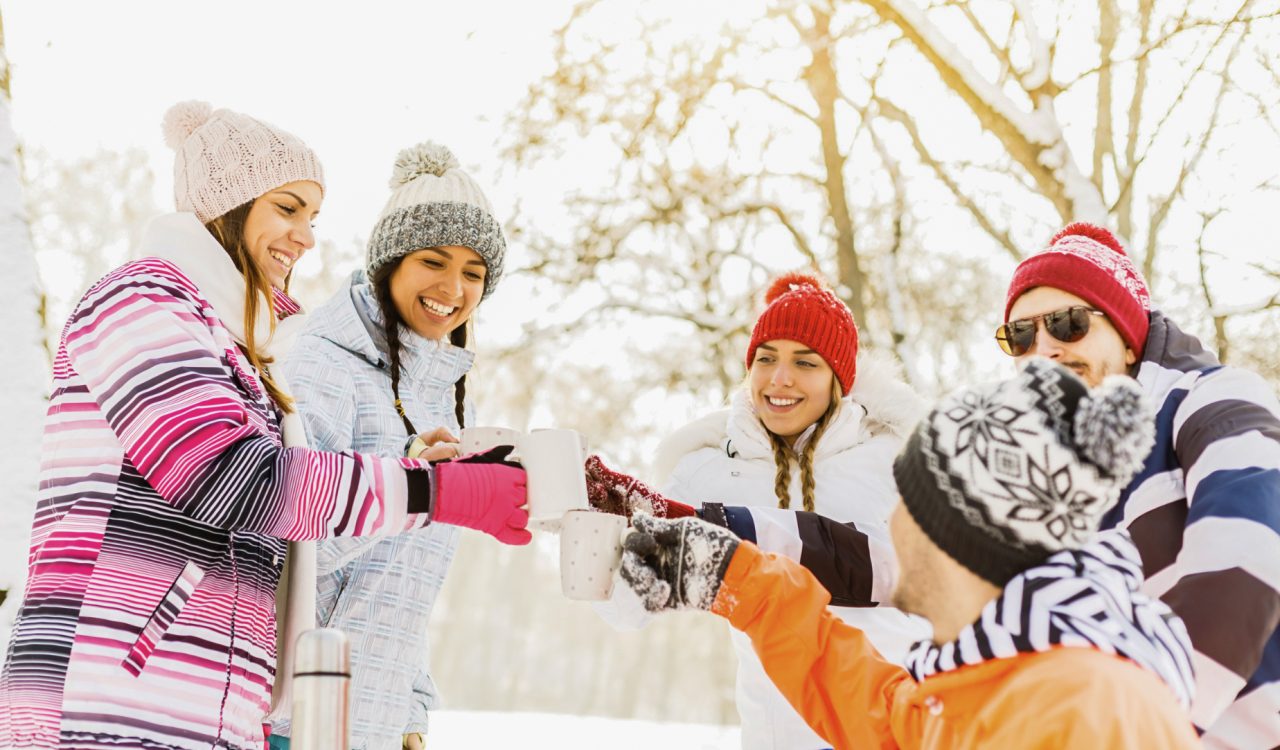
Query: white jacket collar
[[748, 438], [182, 240], [880, 402]]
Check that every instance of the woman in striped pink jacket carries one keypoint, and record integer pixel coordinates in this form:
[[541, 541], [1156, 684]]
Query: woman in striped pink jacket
[[175, 470]]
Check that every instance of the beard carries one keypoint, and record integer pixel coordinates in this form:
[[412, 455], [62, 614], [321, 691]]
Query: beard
[[1091, 375]]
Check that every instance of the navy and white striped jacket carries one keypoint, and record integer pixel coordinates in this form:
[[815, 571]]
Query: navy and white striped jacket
[[1205, 515]]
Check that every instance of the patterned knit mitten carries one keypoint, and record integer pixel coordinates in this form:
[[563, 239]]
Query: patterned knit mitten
[[676, 564], [623, 495]]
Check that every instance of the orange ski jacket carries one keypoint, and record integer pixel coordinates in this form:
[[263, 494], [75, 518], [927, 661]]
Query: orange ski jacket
[[1068, 698]]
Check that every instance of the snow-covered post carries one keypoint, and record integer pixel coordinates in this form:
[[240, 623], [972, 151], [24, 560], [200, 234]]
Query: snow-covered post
[[25, 372]]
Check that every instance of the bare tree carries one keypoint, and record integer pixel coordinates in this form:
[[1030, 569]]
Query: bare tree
[[1015, 67], [840, 136]]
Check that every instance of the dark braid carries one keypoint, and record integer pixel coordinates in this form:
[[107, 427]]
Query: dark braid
[[391, 323], [458, 337], [391, 330]]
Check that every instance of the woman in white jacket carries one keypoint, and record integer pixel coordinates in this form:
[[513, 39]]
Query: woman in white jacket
[[815, 428]]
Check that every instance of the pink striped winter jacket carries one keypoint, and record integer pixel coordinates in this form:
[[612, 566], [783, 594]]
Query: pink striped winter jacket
[[165, 501]]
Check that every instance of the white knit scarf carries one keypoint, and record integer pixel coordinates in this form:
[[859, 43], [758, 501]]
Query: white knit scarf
[[182, 240]]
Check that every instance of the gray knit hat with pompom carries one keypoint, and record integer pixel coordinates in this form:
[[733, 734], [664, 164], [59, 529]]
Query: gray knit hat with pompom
[[434, 203], [1002, 476]]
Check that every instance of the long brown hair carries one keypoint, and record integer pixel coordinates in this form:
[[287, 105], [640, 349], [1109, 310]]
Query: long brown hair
[[783, 453], [391, 322], [228, 230]]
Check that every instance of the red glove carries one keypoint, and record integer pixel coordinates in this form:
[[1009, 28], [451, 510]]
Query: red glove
[[485, 492], [622, 495]]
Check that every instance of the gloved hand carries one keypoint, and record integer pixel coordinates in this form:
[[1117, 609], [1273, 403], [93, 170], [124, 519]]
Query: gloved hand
[[485, 492], [676, 564], [622, 495]]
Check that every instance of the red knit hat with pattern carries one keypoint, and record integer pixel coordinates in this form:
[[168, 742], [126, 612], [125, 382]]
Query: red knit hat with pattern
[[800, 308], [1089, 262]]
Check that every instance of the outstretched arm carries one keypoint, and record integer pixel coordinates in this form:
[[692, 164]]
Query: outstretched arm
[[857, 569], [828, 670]]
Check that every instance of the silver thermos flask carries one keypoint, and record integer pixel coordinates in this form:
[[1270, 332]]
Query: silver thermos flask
[[321, 691]]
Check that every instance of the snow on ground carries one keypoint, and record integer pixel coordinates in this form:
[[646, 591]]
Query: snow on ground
[[472, 730]]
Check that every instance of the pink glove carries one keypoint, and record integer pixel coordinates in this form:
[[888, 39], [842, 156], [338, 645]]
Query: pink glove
[[485, 492]]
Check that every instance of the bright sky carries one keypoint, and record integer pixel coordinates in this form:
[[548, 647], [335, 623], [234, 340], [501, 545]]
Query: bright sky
[[356, 86]]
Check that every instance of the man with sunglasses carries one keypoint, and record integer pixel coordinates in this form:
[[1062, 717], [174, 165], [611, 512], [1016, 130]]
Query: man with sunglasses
[[1205, 510]]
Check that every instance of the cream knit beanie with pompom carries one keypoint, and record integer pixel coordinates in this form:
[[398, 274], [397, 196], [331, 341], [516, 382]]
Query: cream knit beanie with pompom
[[435, 204], [226, 159]]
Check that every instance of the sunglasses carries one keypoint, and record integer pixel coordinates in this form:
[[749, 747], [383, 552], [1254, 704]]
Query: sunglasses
[[1072, 324]]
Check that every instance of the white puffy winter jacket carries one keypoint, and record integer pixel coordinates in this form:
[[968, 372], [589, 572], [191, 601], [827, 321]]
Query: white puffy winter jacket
[[726, 457]]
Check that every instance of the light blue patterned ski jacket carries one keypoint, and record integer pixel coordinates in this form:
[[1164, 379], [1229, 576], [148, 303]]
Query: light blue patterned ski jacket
[[380, 592]]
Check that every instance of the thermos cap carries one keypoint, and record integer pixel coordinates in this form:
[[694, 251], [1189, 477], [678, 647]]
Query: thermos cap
[[323, 651]]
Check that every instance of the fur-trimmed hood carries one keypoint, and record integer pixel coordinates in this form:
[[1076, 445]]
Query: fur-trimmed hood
[[881, 402]]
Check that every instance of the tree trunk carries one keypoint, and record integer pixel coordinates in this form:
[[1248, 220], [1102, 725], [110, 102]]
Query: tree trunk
[[25, 375], [820, 76]]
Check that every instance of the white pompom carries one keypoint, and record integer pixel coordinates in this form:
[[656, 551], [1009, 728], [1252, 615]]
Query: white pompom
[[182, 119], [423, 159], [1115, 427]]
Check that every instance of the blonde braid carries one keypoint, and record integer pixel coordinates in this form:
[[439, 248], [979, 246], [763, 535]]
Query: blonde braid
[[782, 477], [806, 456]]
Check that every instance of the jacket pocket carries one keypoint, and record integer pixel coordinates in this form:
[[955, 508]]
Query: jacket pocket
[[165, 613]]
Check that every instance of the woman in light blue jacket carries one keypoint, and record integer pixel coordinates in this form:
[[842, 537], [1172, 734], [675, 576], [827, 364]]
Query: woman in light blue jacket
[[381, 363]]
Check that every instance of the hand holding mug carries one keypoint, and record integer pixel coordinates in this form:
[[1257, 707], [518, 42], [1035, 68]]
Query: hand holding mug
[[622, 495], [434, 445], [485, 492]]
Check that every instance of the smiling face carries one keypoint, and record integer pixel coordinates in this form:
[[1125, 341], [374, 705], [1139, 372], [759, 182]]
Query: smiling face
[[435, 290], [791, 387], [1100, 353], [277, 230]]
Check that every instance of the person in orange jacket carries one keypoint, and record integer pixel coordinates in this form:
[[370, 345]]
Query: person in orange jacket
[[1041, 636]]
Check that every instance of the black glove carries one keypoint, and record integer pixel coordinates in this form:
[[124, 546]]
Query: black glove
[[676, 564], [495, 455]]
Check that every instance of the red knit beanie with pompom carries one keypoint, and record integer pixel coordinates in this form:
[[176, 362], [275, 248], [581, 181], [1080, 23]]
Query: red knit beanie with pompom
[[800, 308], [1089, 262]]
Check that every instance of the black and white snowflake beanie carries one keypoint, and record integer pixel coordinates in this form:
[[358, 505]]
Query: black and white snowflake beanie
[[1002, 476]]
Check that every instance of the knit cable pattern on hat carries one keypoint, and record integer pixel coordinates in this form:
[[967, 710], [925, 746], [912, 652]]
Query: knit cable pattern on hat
[[225, 159]]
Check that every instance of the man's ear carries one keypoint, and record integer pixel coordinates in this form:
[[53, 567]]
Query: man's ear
[[1129, 357]]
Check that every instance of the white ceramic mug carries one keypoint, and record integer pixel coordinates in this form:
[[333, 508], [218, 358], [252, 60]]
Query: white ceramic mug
[[557, 481], [590, 553], [480, 439]]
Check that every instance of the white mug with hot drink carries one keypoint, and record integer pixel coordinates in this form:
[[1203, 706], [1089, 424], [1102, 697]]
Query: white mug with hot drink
[[552, 460], [590, 553]]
